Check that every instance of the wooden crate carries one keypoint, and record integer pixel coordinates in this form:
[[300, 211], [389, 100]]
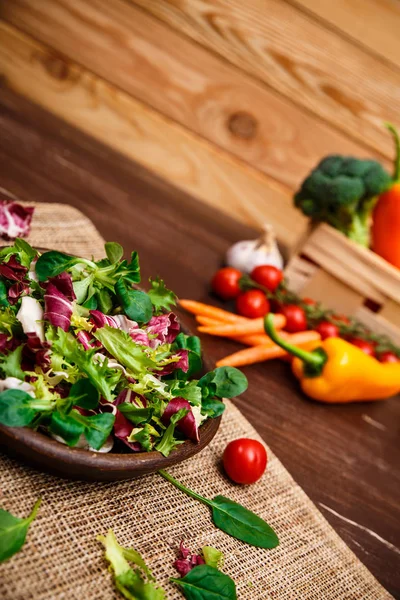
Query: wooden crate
[[348, 278]]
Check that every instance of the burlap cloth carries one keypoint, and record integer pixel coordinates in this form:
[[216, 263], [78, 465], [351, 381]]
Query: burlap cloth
[[62, 559]]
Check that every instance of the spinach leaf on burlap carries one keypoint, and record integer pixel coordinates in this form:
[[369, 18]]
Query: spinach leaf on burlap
[[207, 583], [13, 531], [233, 518]]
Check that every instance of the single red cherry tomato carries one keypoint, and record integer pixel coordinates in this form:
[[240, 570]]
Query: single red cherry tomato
[[244, 460], [327, 330], [268, 276], [388, 357], [225, 283], [366, 347], [252, 304], [295, 318]]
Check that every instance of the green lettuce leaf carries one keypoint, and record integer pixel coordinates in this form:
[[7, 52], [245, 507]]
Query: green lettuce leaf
[[161, 297], [168, 441], [24, 252], [121, 346], [213, 557], [9, 323], [144, 435], [72, 353], [10, 364], [130, 581], [189, 390]]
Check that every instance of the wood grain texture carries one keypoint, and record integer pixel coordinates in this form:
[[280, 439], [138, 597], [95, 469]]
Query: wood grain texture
[[132, 128], [345, 457], [375, 24], [185, 82], [314, 67]]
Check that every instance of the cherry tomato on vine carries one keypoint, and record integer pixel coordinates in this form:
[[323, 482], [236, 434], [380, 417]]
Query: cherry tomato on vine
[[295, 318], [244, 460], [268, 276], [327, 330], [341, 319], [252, 304], [364, 345], [225, 283], [388, 357], [309, 301]]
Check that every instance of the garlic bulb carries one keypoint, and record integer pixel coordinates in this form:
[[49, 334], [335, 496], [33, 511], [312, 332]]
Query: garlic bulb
[[248, 254]]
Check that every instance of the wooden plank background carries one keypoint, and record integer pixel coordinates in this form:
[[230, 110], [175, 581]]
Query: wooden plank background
[[232, 102]]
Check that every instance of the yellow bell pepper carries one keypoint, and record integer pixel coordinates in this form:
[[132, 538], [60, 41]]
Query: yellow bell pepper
[[335, 371]]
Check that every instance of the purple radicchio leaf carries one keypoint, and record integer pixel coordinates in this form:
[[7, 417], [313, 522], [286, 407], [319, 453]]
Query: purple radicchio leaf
[[8, 345], [139, 336], [63, 283], [187, 425], [58, 309], [37, 351], [99, 319], [165, 327], [87, 340], [181, 363], [16, 291], [13, 270], [186, 561], [15, 219], [122, 322], [122, 426]]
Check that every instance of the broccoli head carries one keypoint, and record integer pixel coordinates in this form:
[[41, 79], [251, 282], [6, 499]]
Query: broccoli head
[[342, 191]]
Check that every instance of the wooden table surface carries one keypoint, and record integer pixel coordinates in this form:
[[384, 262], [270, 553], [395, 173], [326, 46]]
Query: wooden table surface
[[346, 458]]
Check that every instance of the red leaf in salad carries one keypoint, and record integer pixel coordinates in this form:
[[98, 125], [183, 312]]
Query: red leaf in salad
[[123, 427], [181, 363], [139, 336], [15, 219], [186, 561], [6, 344], [87, 340], [99, 320], [58, 309], [13, 270], [16, 291], [63, 283], [166, 327], [36, 352], [187, 425]]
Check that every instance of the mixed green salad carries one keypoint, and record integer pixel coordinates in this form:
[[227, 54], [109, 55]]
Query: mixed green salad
[[95, 362]]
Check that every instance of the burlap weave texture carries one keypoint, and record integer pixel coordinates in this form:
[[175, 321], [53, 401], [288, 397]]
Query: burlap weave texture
[[62, 559]]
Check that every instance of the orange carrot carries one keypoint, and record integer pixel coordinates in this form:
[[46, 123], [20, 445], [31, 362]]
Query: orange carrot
[[207, 310], [247, 327], [207, 321], [258, 339], [256, 354]]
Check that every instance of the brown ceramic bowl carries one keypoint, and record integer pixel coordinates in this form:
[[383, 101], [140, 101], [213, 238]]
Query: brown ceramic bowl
[[46, 454]]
